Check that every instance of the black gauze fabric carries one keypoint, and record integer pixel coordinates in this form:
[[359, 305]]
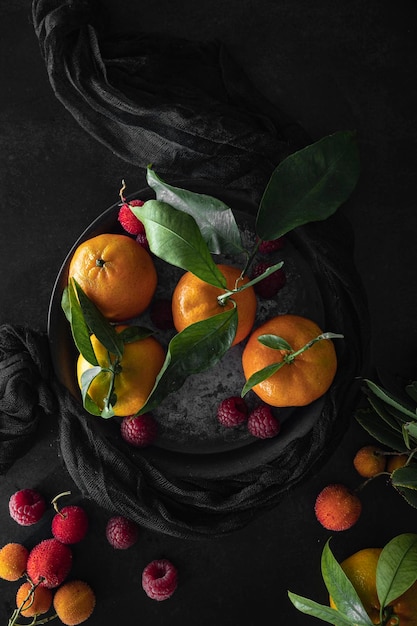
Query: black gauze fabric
[[186, 108]]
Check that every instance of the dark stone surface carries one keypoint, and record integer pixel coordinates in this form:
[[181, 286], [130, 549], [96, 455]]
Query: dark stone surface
[[333, 66]]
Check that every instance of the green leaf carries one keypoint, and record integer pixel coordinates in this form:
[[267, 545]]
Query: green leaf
[[133, 333], [65, 304], [175, 237], [411, 390], [261, 375], [409, 495], [377, 428], [274, 342], [405, 477], [390, 399], [325, 613], [309, 185], [79, 329], [341, 590], [214, 218], [193, 350], [410, 428], [87, 378], [397, 568], [98, 324]]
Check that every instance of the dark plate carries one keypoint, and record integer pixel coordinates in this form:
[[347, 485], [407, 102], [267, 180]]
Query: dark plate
[[191, 441]]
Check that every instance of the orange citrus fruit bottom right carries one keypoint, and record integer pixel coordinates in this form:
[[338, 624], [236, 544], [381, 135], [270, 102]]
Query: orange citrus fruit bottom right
[[140, 364], [360, 568], [194, 300], [304, 380], [116, 273]]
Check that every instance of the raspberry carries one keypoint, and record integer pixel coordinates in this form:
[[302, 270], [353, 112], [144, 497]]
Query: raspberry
[[128, 220], [121, 532], [13, 561], [70, 524], [26, 507], [262, 424], [269, 286], [337, 507], [139, 430], [49, 563], [232, 411], [271, 245], [161, 314], [159, 579]]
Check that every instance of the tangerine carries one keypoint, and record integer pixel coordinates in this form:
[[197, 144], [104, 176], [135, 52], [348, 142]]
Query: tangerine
[[360, 568], [195, 300], [304, 379], [139, 367], [116, 273]]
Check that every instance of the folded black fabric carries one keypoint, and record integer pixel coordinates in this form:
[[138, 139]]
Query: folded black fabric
[[186, 107]]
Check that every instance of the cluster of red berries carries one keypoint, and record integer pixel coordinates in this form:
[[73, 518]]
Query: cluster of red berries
[[260, 422], [47, 565], [269, 286], [338, 507]]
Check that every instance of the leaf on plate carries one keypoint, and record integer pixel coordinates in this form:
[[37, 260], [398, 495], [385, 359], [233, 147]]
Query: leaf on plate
[[309, 185], [193, 350], [261, 375], [325, 613], [214, 218], [341, 589], [79, 329], [175, 237], [133, 333], [397, 568], [98, 324], [87, 378]]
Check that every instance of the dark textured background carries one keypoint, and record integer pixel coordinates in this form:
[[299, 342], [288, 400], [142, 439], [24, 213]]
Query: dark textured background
[[332, 65]]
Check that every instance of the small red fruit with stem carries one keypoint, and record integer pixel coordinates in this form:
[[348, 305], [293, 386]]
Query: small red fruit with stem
[[70, 524]]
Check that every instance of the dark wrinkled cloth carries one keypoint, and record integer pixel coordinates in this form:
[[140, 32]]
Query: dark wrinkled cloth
[[186, 107]]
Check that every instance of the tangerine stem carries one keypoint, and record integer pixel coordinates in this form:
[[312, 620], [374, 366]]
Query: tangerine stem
[[288, 358]]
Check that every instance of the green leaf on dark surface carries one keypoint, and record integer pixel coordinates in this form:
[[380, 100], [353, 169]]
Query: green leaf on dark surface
[[390, 399], [397, 568], [191, 351], [411, 390], [214, 218], [405, 477], [133, 333], [392, 418], [341, 589], [174, 236], [377, 428], [261, 375], [410, 433], [98, 324], [309, 185], [325, 613], [79, 329], [409, 495]]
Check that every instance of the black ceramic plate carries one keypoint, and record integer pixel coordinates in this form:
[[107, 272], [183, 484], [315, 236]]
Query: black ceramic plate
[[190, 440]]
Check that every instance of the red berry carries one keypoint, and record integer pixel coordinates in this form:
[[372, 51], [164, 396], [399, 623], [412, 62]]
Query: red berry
[[128, 220], [269, 286], [70, 524], [26, 507], [271, 245], [232, 411], [161, 314], [159, 579], [49, 563], [337, 507], [121, 532], [262, 424], [142, 240], [139, 430]]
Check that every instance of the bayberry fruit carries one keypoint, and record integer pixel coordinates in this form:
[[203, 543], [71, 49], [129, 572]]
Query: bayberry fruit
[[159, 579], [33, 601], [139, 430], [271, 245], [70, 524], [26, 507], [262, 423], [74, 602], [269, 286], [13, 561], [337, 507], [128, 220], [49, 563], [369, 461], [121, 532], [232, 411]]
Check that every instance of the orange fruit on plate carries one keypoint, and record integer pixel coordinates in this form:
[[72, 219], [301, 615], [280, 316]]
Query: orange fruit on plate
[[194, 300], [360, 568], [139, 367], [116, 273], [303, 380]]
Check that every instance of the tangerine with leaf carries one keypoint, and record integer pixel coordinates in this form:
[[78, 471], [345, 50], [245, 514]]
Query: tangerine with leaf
[[289, 361], [116, 273]]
